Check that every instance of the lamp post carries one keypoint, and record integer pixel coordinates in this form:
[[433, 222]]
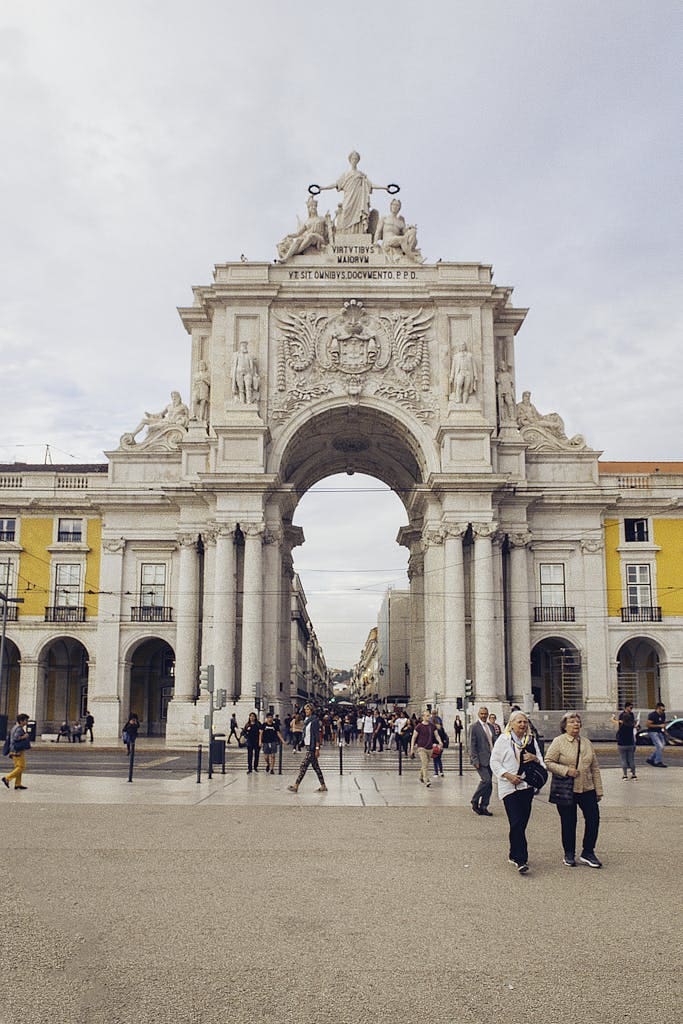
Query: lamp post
[[6, 602]]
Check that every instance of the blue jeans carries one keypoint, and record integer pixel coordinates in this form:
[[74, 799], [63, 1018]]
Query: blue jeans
[[659, 743]]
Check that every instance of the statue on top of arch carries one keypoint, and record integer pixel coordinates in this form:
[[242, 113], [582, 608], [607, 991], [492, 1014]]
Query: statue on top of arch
[[544, 432], [396, 240]]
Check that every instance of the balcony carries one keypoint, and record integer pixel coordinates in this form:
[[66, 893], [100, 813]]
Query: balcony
[[12, 612], [554, 613], [65, 613], [151, 613], [642, 613], [6, 535]]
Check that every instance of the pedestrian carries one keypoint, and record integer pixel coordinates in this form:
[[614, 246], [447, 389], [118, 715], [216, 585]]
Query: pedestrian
[[438, 747], [515, 747], [297, 730], [656, 725], [571, 755], [457, 728], [16, 745], [424, 738], [130, 731], [378, 732], [270, 737], [482, 738], [89, 722], [252, 733], [64, 733], [311, 741], [368, 727], [493, 723], [626, 740], [76, 732], [234, 729]]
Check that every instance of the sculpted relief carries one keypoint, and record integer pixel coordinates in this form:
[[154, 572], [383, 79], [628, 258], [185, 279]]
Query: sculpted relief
[[354, 352]]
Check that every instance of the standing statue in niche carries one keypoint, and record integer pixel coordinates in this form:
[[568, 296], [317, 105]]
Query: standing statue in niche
[[463, 377], [201, 390], [314, 233], [506, 395], [395, 236], [354, 216], [244, 376]]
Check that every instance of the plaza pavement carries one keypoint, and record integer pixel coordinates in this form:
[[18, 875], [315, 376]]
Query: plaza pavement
[[235, 900]]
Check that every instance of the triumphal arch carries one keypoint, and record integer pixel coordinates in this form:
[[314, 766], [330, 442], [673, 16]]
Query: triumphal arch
[[348, 352]]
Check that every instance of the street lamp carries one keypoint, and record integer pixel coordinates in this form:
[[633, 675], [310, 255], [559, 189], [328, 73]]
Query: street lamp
[[6, 602]]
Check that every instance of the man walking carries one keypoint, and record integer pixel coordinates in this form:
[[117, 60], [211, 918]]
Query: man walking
[[656, 724], [17, 743], [481, 744], [311, 740], [424, 738], [368, 726]]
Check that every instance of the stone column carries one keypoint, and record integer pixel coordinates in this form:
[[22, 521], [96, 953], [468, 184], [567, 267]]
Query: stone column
[[208, 622], [272, 606], [595, 667], [224, 597], [433, 614], [186, 681], [417, 635], [519, 628], [252, 613], [483, 621], [455, 651], [31, 699], [105, 689]]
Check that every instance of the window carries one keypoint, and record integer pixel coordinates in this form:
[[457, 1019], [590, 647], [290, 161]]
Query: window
[[67, 585], [152, 585], [6, 578], [70, 531], [552, 585], [638, 586], [635, 530], [7, 529]]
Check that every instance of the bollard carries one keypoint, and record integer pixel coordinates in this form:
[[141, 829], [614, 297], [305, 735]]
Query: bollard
[[210, 770], [341, 758], [131, 761], [223, 760], [279, 759], [400, 758], [199, 763], [460, 758]]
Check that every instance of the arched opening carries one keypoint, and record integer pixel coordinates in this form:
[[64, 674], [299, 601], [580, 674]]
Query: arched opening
[[65, 672], [152, 667], [638, 673], [9, 685], [556, 674]]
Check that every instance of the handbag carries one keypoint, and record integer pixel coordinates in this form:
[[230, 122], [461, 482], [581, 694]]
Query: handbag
[[535, 775], [562, 786], [23, 743]]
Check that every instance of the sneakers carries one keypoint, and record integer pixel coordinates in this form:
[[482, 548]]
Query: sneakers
[[634, 778], [569, 862], [21, 787], [293, 789], [322, 789], [522, 868], [624, 778], [427, 784], [591, 860], [485, 812], [5, 782]]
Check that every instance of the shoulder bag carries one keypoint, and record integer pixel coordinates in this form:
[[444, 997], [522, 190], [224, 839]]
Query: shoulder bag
[[562, 786], [534, 774]]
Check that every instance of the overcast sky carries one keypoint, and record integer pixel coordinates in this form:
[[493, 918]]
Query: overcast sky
[[145, 141]]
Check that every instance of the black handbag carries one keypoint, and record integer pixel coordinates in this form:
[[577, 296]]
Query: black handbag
[[562, 786], [535, 775]]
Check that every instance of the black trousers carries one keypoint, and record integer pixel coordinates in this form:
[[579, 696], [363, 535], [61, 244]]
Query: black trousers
[[518, 809], [252, 756], [588, 802]]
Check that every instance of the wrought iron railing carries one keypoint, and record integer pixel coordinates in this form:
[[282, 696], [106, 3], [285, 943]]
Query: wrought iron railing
[[151, 613], [641, 613], [554, 613], [65, 613]]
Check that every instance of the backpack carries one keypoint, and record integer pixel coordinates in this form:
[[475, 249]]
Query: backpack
[[6, 745]]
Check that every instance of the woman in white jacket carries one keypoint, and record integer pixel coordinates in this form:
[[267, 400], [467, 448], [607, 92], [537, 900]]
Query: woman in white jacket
[[515, 747]]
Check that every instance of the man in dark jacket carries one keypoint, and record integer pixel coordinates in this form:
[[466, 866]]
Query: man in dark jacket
[[481, 745], [311, 741]]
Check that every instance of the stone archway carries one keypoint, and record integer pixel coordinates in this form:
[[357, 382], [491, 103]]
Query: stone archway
[[65, 666], [638, 672], [150, 684], [557, 674], [10, 671]]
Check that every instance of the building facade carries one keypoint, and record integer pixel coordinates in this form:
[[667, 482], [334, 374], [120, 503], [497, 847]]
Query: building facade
[[535, 571]]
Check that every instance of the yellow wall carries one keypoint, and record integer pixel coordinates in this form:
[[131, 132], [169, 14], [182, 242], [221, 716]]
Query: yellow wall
[[34, 565], [668, 535], [613, 568], [92, 567]]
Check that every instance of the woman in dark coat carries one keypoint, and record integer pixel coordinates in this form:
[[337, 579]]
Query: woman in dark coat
[[252, 734]]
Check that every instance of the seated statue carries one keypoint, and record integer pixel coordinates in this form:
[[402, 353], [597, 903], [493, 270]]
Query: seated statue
[[165, 429], [395, 236], [314, 233], [544, 431]]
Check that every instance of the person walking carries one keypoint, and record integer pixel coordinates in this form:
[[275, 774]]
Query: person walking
[[130, 731], [17, 743], [234, 729], [252, 733], [656, 725], [88, 726], [626, 740], [311, 740], [493, 724], [570, 754], [457, 728], [482, 738], [368, 727], [270, 737], [515, 747], [424, 738], [297, 729]]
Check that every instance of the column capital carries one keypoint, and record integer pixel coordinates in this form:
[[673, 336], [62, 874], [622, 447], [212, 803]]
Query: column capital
[[273, 535], [592, 545], [520, 538], [210, 534], [114, 545], [433, 536], [253, 529], [482, 531], [187, 540], [226, 530], [454, 530]]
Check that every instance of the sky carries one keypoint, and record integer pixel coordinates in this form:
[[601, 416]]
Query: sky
[[146, 141]]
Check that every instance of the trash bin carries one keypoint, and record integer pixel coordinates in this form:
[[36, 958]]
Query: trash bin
[[218, 748], [32, 731]]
